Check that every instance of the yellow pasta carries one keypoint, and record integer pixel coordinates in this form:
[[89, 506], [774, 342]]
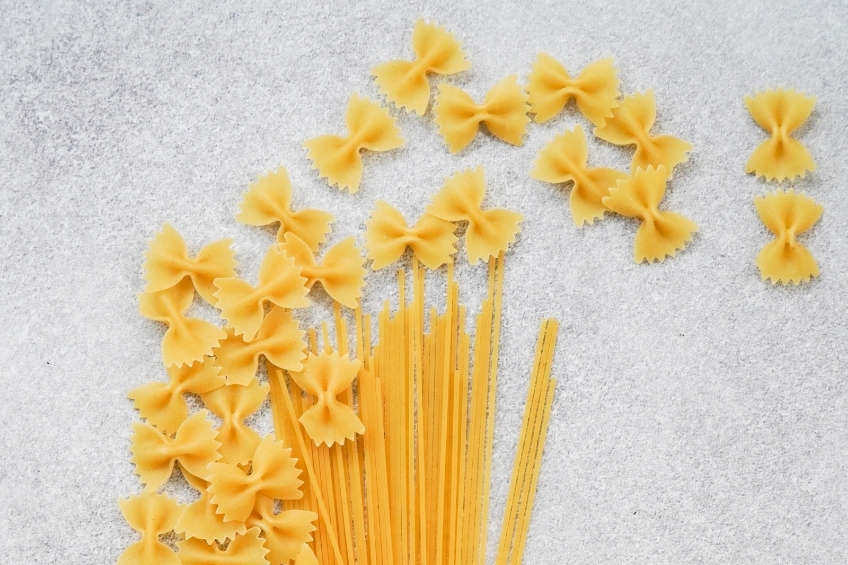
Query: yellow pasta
[[405, 82], [340, 272], [268, 201], [163, 405], [273, 474], [780, 112], [305, 556], [279, 283], [187, 339], [564, 159], [246, 549], [595, 89], [325, 376], [489, 231], [504, 111], [201, 519], [660, 234], [279, 339], [154, 454], [233, 403], [387, 236], [370, 127], [787, 214], [285, 532], [151, 515], [631, 124]]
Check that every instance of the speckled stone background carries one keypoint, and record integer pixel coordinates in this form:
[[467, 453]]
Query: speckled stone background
[[700, 414]]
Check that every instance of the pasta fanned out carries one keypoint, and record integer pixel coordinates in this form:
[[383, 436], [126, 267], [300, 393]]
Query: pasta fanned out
[[595, 89], [187, 339], [279, 339], [233, 403], [780, 112], [279, 283], [489, 231], [405, 82], [286, 532], [504, 111], [787, 214], [163, 405], [660, 234], [155, 454], [167, 263], [631, 124], [273, 474], [152, 515], [564, 159], [370, 127], [340, 272], [201, 519], [246, 549], [268, 201], [325, 376], [387, 236]]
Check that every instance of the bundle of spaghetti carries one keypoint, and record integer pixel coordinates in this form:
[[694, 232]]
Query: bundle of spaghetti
[[525, 471]]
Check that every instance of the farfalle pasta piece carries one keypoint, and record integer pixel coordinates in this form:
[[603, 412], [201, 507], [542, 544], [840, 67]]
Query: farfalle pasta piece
[[595, 89], [780, 112], [268, 201], [631, 124], [405, 82], [167, 263], [279, 339], [280, 283], [247, 549], [370, 127], [564, 159], [163, 405], [151, 515], [787, 214], [285, 532], [504, 111], [340, 272], [305, 556], [489, 231], [273, 474], [187, 339], [233, 403], [661, 234], [154, 454], [201, 519], [325, 376], [387, 236]]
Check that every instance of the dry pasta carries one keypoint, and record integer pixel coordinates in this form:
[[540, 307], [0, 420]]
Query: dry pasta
[[340, 272], [233, 403], [786, 215], [151, 515], [780, 112], [245, 549]]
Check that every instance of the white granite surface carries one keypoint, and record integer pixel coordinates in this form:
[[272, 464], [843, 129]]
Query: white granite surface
[[700, 414]]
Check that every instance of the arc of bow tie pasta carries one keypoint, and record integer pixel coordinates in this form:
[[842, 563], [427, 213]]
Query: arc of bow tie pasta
[[405, 82], [504, 111], [787, 214], [370, 127], [780, 112]]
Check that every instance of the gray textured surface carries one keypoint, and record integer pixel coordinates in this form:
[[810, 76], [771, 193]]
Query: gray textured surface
[[700, 413]]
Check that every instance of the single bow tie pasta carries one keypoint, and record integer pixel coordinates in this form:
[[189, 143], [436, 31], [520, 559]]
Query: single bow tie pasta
[[564, 160], [154, 454], [787, 214], [201, 519], [268, 201], [504, 111], [631, 124], [387, 236], [340, 272], [285, 532], [152, 515], [460, 200], [187, 339], [168, 263], [280, 283], [595, 89], [660, 234], [233, 403], [325, 376], [780, 112], [247, 549], [370, 127], [405, 82]]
